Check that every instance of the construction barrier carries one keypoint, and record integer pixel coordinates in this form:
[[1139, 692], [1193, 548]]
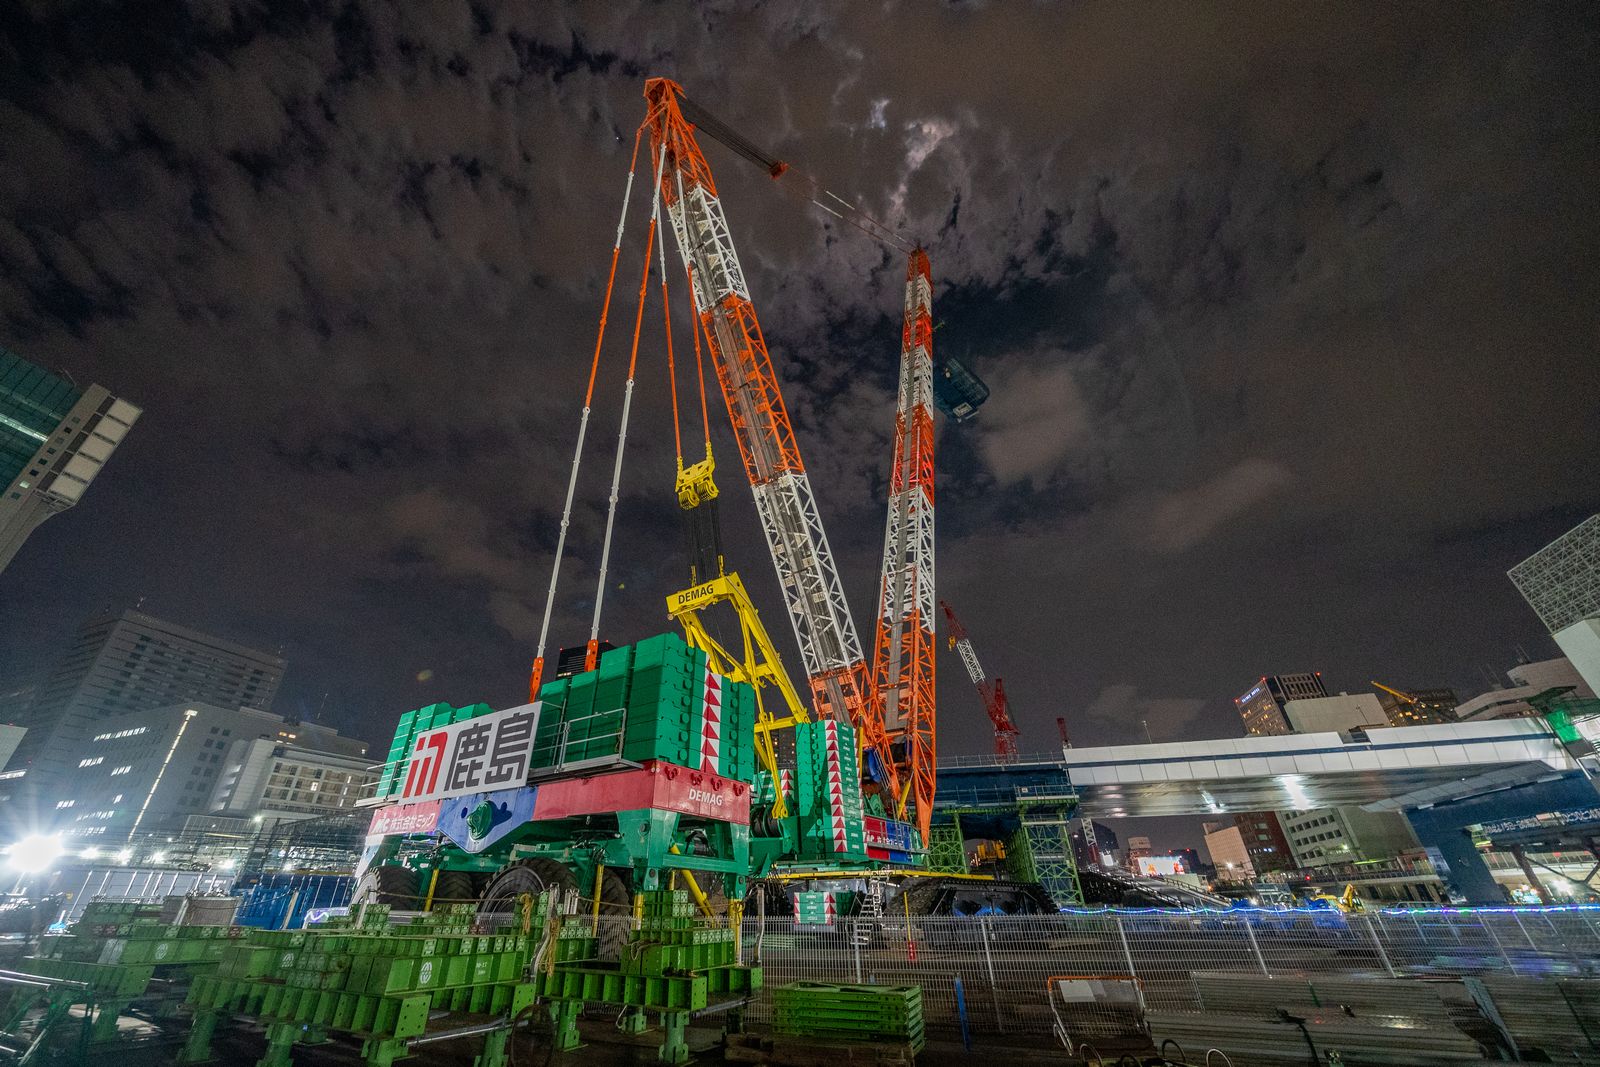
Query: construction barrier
[[1004, 963]]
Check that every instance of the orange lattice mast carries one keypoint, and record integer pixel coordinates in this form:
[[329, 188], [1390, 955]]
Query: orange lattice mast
[[903, 655]]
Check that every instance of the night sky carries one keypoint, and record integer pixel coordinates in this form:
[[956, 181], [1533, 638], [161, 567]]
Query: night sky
[[1289, 315]]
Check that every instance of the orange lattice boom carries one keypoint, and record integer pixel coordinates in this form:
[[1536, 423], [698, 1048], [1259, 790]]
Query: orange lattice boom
[[830, 650]]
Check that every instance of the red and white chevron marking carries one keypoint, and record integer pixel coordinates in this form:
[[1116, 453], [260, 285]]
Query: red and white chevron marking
[[711, 724]]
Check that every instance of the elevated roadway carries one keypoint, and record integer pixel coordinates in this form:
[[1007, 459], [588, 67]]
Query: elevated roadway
[[1382, 769]]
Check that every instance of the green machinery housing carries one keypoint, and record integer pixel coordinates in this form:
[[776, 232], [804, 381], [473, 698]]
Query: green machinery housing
[[641, 770]]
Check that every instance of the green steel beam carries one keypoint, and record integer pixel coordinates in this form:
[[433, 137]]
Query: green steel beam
[[947, 848]]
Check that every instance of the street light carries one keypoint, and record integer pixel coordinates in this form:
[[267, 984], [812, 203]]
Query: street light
[[34, 853]]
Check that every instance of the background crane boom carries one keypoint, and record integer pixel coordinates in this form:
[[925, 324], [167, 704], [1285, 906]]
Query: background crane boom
[[991, 692]]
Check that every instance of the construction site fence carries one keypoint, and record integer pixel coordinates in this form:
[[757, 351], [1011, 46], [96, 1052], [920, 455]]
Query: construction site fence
[[994, 970]]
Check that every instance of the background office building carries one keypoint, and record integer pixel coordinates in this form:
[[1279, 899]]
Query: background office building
[[146, 772], [54, 439], [1561, 582], [1100, 848], [1419, 707], [1528, 680], [1254, 845], [1334, 836], [1335, 714], [1265, 841], [1225, 846], [130, 662], [1261, 708]]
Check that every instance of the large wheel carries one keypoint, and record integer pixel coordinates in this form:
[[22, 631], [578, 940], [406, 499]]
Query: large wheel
[[394, 886], [499, 903], [616, 914], [453, 887]]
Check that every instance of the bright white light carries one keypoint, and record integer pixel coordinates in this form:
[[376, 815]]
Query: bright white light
[[34, 853], [159, 857], [91, 853], [125, 855], [229, 865], [289, 866]]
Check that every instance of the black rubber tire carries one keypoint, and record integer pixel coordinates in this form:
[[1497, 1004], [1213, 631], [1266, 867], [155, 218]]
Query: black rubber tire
[[499, 903], [453, 887], [616, 914], [394, 886]]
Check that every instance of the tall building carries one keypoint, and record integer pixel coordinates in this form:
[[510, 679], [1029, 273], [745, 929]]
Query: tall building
[[10, 738], [1225, 845], [1261, 708], [147, 771], [1561, 582], [1332, 836], [1419, 707], [1265, 841], [132, 662], [54, 438]]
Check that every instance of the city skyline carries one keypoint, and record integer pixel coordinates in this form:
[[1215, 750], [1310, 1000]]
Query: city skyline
[[1210, 451]]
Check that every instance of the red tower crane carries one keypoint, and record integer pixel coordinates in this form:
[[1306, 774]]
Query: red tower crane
[[991, 692]]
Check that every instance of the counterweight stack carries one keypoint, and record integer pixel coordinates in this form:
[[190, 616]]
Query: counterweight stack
[[813, 594]]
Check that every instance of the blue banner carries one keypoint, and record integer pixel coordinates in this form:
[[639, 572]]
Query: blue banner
[[477, 821]]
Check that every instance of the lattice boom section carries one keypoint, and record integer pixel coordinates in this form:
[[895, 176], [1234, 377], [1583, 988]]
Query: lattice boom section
[[1561, 581]]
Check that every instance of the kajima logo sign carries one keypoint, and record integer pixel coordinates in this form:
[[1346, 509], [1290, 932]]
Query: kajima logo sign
[[489, 752]]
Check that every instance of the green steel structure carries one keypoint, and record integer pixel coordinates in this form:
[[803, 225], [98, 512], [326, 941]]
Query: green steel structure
[[1040, 851], [118, 954], [947, 846]]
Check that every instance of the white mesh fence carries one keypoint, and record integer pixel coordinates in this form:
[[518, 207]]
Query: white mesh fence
[[998, 967]]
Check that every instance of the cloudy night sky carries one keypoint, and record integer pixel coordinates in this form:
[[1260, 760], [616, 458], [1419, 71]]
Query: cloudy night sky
[[1289, 314]]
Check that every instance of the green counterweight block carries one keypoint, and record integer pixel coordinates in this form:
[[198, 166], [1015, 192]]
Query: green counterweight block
[[825, 1011]]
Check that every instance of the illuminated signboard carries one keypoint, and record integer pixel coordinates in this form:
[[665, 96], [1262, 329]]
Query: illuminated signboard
[[489, 752]]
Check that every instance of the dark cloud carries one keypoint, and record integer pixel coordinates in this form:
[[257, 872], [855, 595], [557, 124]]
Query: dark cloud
[[1289, 318]]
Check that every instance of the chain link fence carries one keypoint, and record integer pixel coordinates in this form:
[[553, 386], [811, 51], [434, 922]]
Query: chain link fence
[[994, 969]]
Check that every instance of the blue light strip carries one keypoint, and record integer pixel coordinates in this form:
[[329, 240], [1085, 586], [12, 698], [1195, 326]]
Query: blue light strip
[[1529, 909]]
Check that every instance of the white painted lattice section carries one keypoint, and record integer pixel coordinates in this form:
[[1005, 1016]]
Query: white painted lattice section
[[811, 587], [1561, 581]]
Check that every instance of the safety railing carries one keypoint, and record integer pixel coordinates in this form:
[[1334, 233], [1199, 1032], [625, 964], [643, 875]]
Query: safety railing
[[995, 968]]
